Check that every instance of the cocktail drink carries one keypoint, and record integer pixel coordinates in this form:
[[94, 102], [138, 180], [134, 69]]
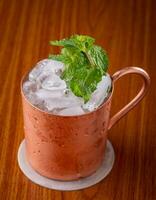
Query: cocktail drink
[[45, 89], [66, 106]]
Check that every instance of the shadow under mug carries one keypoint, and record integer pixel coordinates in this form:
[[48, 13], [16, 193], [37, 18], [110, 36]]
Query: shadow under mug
[[71, 147]]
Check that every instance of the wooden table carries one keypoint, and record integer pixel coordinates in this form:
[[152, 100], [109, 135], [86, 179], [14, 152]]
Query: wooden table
[[127, 30]]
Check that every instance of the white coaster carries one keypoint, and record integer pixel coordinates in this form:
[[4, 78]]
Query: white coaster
[[100, 174]]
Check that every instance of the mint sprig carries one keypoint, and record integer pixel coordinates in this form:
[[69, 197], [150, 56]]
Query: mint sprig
[[85, 64]]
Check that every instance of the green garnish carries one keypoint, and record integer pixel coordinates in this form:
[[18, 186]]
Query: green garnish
[[85, 64]]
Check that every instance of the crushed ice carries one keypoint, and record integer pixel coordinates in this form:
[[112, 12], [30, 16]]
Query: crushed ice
[[45, 89]]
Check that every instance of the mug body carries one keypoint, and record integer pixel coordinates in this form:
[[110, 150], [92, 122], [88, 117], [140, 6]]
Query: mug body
[[65, 147]]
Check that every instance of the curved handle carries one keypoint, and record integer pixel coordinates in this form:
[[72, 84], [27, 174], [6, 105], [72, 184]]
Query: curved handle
[[137, 98]]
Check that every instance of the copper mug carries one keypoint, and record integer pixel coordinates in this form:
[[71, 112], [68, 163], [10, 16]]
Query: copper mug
[[71, 147]]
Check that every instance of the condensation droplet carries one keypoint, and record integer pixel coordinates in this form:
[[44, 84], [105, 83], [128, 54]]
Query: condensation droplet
[[61, 145], [66, 92], [58, 72]]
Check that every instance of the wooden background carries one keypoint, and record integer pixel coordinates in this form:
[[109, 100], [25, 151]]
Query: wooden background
[[127, 30]]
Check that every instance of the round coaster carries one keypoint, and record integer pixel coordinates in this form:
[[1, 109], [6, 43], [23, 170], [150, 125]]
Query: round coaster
[[100, 174]]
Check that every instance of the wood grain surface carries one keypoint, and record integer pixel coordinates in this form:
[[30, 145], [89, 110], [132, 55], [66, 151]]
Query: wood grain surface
[[127, 30]]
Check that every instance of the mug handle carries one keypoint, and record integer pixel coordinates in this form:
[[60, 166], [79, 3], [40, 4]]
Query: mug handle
[[137, 98]]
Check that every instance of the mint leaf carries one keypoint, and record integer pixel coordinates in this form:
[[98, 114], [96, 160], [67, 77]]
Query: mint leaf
[[55, 57], [85, 64], [99, 57], [64, 42], [81, 42]]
